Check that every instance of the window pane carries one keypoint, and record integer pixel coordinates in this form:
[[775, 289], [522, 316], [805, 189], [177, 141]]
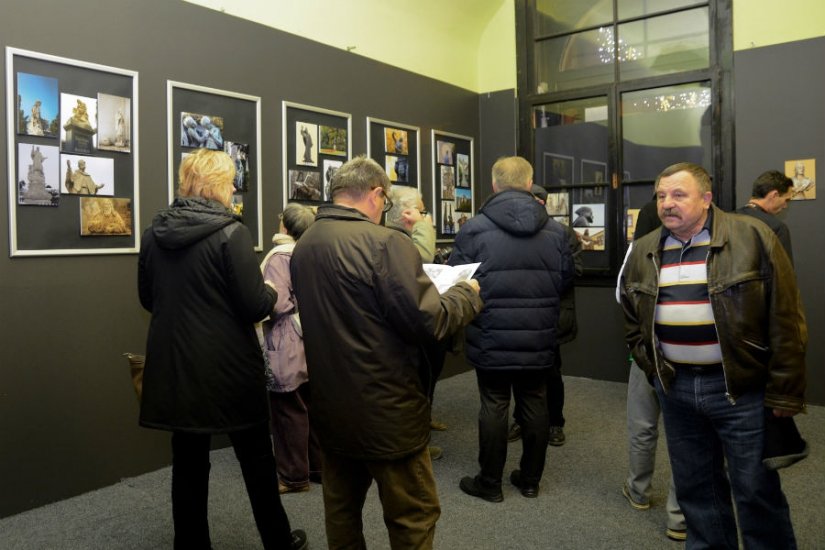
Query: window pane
[[663, 45], [575, 61], [663, 126], [558, 16], [637, 8]]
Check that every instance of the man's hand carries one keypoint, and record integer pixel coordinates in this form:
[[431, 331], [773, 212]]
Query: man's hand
[[410, 217], [474, 284]]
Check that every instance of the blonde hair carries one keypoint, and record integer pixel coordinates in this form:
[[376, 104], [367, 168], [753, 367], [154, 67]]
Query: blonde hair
[[512, 173], [208, 174]]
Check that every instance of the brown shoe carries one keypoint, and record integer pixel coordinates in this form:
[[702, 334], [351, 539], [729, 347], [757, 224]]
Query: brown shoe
[[283, 489]]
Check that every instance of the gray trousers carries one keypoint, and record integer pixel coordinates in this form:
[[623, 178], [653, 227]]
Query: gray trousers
[[643, 413]]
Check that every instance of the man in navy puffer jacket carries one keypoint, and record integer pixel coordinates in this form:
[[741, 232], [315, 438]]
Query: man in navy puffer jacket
[[525, 268]]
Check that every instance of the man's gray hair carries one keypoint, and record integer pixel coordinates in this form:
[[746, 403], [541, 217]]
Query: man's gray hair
[[402, 198], [512, 173], [358, 177]]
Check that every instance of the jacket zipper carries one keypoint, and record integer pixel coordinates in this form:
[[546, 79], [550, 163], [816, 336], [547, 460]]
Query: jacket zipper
[[731, 399]]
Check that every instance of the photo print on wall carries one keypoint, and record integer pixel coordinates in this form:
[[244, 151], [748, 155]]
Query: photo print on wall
[[463, 199], [87, 175], [396, 141], [447, 183], [333, 141], [462, 163], [803, 174], [199, 131], [330, 167], [102, 217], [304, 185], [114, 122], [38, 175], [78, 132], [446, 152], [239, 152], [37, 105], [306, 141]]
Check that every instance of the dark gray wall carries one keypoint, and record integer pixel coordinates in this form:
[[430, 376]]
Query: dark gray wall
[[497, 113], [68, 416]]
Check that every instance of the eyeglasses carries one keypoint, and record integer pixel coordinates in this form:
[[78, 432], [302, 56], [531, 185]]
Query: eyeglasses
[[387, 201], [424, 212]]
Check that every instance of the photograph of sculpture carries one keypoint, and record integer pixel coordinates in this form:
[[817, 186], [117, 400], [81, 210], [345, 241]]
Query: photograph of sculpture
[[330, 167], [592, 238], [333, 141], [37, 105], [593, 171], [803, 175], [564, 220], [105, 217], [446, 152], [306, 144], [201, 131], [114, 123], [557, 204], [395, 141], [447, 183], [558, 169], [239, 152], [397, 168], [588, 215], [462, 219], [237, 205], [38, 175], [448, 225], [78, 117], [304, 185], [631, 217], [463, 199], [87, 175], [462, 163]]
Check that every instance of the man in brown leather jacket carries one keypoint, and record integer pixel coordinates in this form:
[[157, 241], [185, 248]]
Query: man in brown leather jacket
[[714, 318]]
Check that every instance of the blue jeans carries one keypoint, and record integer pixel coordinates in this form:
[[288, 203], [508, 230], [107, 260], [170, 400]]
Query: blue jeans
[[705, 433]]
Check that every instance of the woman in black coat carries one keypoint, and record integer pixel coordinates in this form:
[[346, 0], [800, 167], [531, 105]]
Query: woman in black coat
[[198, 275]]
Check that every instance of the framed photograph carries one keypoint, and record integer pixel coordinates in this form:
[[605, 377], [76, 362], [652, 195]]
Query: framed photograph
[[803, 175], [105, 217], [316, 141], [329, 169], [453, 193], [631, 217], [588, 215], [37, 105], [239, 153], [81, 175], [78, 123], [593, 171], [396, 146], [591, 238], [564, 220], [62, 126], [38, 175], [396, 142], [114, 123], [333, 141], [223, 120], [558, 170], [557, 204]]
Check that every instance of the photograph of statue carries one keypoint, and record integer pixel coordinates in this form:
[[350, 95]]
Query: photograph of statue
[[37, 105], [447, 183], [114, 123], [463, 199], [78, 129], [556, 204], [87, 175], [201, 131], [38, 175], [237, 205], [333, 141], [462, 163], [592, 238], [304, 185], [446, 152], [330, 167], [101, 217], [395, 141], [239, 152], [803, 175], [306, 144], [462, 219], [396, 168], [588, 215]]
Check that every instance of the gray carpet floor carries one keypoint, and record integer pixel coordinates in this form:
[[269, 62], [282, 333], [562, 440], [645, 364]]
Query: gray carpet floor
[[580, 505]]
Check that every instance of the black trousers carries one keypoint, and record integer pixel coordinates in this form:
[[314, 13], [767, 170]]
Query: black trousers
[[529, 388], [190, 487], [555, 392]]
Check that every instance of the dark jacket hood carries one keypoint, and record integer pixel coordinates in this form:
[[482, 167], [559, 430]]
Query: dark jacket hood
[[190, 220], [516, 212]]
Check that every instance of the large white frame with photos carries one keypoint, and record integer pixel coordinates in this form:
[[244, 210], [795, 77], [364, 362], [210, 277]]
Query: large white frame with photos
[[12, 161], [173, 120], [285, 107], [435, 134], [391, 124]]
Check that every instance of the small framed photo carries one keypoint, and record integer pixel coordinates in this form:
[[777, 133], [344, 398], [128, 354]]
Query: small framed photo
[[304, 185], [395, 141], [38, 175], [239, 153], [102, 217], [333, 141], [81, 175], [557, 204], [591, 238], [446, 152], [114, 123], [306, 143], [448, 183], [38, 108]]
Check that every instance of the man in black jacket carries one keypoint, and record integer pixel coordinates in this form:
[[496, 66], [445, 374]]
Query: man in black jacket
[[772, 192], [367, 307], [525, 269]]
